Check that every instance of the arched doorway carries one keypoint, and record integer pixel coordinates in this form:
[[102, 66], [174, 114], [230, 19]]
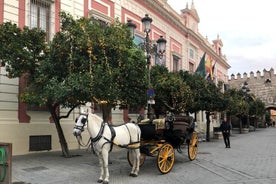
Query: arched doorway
[[271, 115]]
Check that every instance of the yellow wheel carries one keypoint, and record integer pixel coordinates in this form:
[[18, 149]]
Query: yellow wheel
[[193, 146], [165, 158], [131, 159]]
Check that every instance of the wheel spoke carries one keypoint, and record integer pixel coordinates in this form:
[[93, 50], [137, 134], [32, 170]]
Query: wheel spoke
[[165, 158]]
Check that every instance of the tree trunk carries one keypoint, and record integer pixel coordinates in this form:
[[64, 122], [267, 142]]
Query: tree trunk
[[208, 126], [106, 109], [62, 140], [240, 125]]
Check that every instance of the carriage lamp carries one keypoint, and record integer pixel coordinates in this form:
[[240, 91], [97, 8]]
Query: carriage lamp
[[131, 27]]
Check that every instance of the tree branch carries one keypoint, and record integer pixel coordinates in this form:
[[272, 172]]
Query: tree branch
[[69, 112], [168, 106]]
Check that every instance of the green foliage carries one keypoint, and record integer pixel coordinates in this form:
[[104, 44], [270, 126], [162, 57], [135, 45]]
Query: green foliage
[[20, 50], [256, 107], [83, 62], [243, 104], [172, 93], [236, 103], [207, 96]]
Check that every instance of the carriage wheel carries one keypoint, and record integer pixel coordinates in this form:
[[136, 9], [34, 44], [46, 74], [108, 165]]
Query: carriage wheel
[[165, 158], [130, 158], [193, 146]]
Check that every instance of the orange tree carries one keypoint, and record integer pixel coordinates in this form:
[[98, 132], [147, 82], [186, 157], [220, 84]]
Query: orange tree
[[243, 105], [256, 109], [84, 62], [171, 91], [207, 97], [237, 104]]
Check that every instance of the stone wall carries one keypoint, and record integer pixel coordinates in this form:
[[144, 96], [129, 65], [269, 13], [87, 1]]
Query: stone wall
[[262, 86]]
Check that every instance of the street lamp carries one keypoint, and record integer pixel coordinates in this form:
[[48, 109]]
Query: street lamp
[[131, 27], [161, 48], [147, 24]]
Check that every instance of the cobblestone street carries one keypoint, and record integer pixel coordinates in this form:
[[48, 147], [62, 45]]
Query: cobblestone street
[[251, 159]]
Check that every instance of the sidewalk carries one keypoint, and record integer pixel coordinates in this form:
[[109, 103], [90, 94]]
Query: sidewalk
[[252, 157]]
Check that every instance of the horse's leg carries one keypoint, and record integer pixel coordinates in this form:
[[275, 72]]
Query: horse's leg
[[135, 153], [100, 157], [105, 152]]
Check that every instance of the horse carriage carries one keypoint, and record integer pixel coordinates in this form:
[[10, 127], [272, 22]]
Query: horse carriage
[[157, 138], [161, 137]]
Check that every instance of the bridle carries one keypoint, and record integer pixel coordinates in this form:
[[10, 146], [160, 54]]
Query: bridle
[[81, 128], [83, 122]]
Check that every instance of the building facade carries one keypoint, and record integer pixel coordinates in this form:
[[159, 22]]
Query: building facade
[[22, 125]]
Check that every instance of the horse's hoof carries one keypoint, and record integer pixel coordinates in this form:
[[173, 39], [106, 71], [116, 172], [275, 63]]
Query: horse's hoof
[[100, 181], [133, 175], [105, 182]]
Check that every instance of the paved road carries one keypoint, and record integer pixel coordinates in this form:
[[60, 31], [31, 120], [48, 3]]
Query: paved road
[[251, 160]]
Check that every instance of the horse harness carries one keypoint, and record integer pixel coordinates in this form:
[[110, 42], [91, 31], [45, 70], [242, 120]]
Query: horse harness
[[132, 145]]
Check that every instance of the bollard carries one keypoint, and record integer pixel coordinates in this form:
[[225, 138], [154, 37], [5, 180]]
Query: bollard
[[3, 168], [5, 163]]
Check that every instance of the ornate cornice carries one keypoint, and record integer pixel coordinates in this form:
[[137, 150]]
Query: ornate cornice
[[159, 7]]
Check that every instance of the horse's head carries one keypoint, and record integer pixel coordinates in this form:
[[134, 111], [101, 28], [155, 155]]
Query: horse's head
[[80, 122]]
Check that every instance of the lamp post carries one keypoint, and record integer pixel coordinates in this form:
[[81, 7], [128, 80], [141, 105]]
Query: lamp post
[[147, 24], [161, 48], [246, 90], [131, 27]]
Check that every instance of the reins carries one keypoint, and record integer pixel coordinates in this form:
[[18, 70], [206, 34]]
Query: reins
[[81, 143]]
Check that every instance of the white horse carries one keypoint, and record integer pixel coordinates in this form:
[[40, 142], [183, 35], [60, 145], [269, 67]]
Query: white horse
[[104, 136]]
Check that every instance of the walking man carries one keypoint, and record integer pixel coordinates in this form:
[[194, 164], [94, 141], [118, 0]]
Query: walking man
[[225, 128]]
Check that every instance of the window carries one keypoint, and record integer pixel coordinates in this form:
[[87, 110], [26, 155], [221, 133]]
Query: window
[[40, 16], [191, 67], [191, 53], [102, 23], [138, 41], [175, 63]]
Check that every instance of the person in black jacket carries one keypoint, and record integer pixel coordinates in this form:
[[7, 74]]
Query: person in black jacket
[[225, 128]]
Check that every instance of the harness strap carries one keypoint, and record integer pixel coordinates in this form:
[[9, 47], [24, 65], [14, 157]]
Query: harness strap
[[113, 135], [131, 145], [99, 136]]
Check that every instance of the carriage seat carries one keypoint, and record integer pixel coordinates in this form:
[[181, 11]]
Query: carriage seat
[[182, 123], [159, 123], [152, 129], [145, 121]]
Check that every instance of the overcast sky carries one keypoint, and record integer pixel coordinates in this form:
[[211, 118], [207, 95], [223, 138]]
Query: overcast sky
[[247, 29]]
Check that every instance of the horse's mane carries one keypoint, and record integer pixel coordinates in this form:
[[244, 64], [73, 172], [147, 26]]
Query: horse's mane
[[95, 117]]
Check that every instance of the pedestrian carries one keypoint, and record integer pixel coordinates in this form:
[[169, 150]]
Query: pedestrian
[[225, 128]]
